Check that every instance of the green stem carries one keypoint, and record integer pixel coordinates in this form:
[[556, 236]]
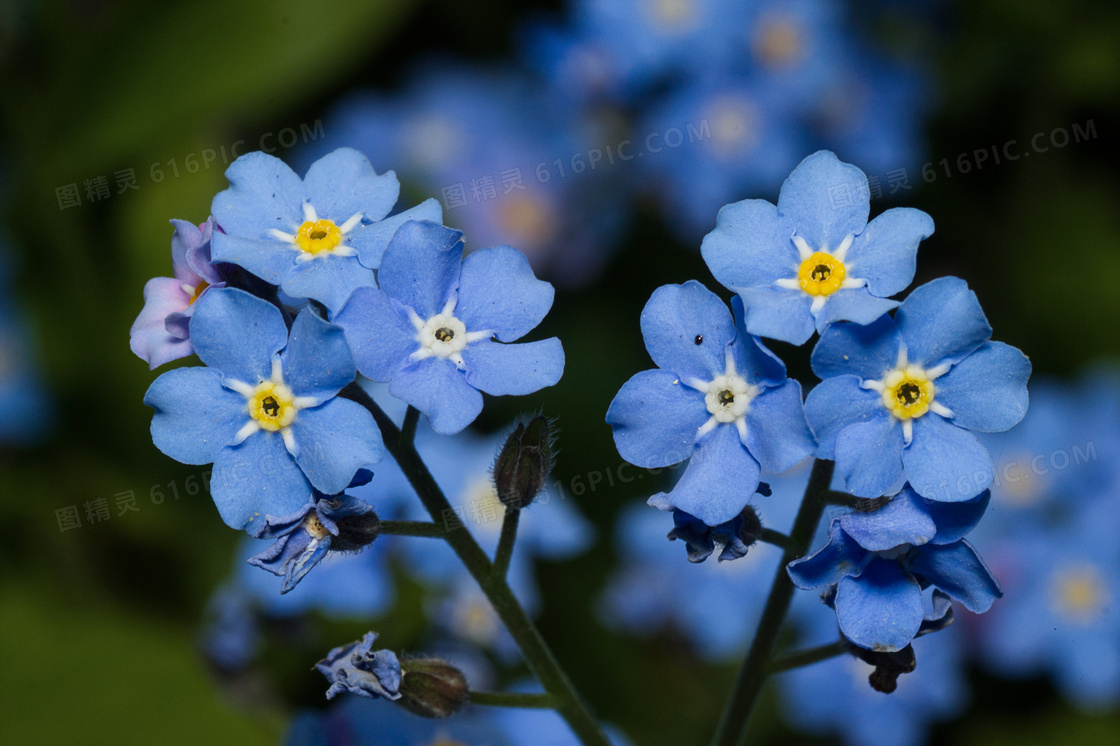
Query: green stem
[[505, 543], [513, 699], [413, 528], [809, 656], [732, 728], [408, 427], [535, 650]]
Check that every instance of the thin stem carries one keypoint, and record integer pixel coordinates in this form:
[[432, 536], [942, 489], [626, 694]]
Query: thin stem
[[408, 427], [777, 538], [535, 650], [808, 656], [413, 528], [505, 543], [513, 699], [832, 497], [732, 728]]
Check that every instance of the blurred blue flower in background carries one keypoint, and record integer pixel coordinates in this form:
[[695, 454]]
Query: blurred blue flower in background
[[25, 411]]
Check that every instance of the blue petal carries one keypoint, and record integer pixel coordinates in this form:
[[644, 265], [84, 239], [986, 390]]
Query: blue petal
[[853, 304], [777, 313], [957, 570], [655, 418], [955, 520], [754, 361], [837, 559], [268, 258], [317, 360], [343, 183], [516, 369], [379, 333], [778, 434], [903, 520], [942, 320], [945, 462], [499, 293], [675, 317], [836, 403], [255, 479], [881, 609], [886, 253], [750, 246], [263, 194], [987, 391], [421, 266], [238, 333], [195, 415], [334, 441], [328, 279], [869, 456], [440, 390], [720, 480], [805, 201], [372, 240], [865, 351]]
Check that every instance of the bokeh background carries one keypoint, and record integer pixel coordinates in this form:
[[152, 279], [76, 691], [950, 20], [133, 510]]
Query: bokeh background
[[116, 117]]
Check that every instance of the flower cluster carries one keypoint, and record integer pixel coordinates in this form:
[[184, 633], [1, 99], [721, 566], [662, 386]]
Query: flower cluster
[[897, 409]]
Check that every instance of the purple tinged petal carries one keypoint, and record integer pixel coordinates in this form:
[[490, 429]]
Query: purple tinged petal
[[263, 194], [836, 403], [513, 369], [869, 456], [655, 419], [945, 462], [328, 279], [837, 559], [378, 332], [149, 338], [198, 255], [343, 183], [882, 609], [720, 479], [421, 266], [187, 236], [440, 390], [257, 478], [805, 201], [778, 434], [987, 391], [851, 349], [778, 313], [675, 317], [750, 246], [370, 241], [334, 440], [942, 321], [317, 360], [853, 304], [958, 570], [237, 333], [903, 520], [499, 293], [886, 252], [195, 415]]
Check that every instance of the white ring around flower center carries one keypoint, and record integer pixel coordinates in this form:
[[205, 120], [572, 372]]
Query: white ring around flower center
[[729, 397], [443, 335]]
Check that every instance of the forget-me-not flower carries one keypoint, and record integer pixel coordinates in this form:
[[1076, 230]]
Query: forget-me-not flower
[[265, 411], [318, 237], [437, 330], [901, 397], [358, 669], [717, 397], [813, 259]]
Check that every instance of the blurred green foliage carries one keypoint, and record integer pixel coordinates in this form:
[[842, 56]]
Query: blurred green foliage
[[98, 623]]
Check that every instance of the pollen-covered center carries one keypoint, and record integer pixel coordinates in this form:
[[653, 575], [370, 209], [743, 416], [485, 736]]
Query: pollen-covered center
[[317, 236], [443, 334], [821, 274], [907, 393], [272, 406], [729, 397], [314, 527], [1078, 592]]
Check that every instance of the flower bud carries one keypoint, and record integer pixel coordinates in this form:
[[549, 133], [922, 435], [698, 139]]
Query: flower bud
[[356, 531], [522, 467], [431, 687], [888, 667]]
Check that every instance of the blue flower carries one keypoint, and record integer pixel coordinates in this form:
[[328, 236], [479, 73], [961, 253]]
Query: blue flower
[[718, 397], [732, 539], [901, 396], [161, 333], [438, 327], [881, 561], [265, 411], [358, 669], [319, 237], [814, 259], [306, 536]]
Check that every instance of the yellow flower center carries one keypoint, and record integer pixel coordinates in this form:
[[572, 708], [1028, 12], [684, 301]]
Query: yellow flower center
[[1078, 591], [317, 236], [821, 274], [272, 406], [907, 393]]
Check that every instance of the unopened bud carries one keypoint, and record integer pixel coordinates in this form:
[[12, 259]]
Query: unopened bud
[[431, 687], [888, 667], [521, 469], [356, 531], [751, 529]]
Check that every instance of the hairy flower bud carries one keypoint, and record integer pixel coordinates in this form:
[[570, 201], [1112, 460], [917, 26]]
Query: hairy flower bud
[[888, 667], [356, 531], [431, 687], [522, 467]]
